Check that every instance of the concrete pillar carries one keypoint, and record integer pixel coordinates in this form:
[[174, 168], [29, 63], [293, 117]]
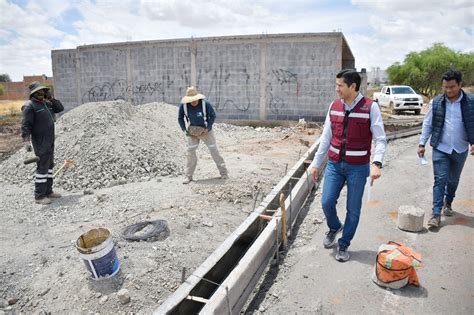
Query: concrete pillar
[[193, 61], [129, 76], [410, 218], [78, 76], [263, 81]]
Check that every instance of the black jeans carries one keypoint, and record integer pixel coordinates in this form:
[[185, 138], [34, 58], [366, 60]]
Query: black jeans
[[44, 149]]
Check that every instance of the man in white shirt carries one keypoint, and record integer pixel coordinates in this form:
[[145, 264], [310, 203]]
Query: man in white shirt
[[450, 124], [351, 124]]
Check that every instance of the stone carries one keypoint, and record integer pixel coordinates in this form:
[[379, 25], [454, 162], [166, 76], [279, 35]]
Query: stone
[[410, 218], [103, 300], [123, 296]]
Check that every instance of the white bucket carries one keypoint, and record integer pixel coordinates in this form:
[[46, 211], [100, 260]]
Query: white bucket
[[96, 248]]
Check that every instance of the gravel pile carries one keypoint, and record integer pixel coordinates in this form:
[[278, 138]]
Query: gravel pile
[[111, 143], [115, 143]]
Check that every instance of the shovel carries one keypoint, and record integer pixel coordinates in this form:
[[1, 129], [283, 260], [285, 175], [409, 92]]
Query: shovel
[[66, 163]]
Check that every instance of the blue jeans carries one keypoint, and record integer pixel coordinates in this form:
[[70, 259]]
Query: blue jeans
[[447, 170], [335, 176]]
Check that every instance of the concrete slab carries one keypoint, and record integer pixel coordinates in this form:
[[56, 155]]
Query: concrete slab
[[316, 283]]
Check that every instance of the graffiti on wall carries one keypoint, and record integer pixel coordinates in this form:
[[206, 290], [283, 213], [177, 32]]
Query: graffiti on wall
[[227, 89], [120, 90], [283, 86], [221, 82], [167, 89]]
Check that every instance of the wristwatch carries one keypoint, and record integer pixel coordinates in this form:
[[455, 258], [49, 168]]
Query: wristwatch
[[377, 163], [421, 145]]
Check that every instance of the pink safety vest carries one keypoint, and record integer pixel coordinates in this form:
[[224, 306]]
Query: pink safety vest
[[351, 135]]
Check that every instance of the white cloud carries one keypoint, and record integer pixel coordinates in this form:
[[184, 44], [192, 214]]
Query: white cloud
[[399, 27], [379, 32]]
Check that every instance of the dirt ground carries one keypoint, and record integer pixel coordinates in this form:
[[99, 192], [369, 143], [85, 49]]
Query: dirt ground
[[10, 117], [40, 269], [308, 279]]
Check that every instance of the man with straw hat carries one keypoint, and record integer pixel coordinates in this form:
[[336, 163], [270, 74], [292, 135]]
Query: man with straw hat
[[37, 129], [200, 117]]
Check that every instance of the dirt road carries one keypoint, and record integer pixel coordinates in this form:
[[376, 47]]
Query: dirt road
[[40, 269], [311, 281]]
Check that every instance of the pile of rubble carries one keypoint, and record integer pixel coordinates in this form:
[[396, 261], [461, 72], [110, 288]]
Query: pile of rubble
[[111, 143]]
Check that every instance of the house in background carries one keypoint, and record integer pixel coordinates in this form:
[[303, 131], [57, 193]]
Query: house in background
[[18, 90], [377, 76]]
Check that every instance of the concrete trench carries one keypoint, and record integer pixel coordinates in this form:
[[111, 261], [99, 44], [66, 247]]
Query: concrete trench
[[224, 282]]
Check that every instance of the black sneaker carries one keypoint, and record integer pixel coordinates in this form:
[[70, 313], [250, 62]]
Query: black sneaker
[[343, 254], [330, 239]]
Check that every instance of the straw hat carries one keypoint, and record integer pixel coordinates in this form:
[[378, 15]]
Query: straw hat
[[192, 95], [35, 87]]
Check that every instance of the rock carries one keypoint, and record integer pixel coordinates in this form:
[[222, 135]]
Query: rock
[[103, 300], [410, 218], [317, 221], [44, 292], [4, 303], [88, 192], [123, 296], [207, 223]]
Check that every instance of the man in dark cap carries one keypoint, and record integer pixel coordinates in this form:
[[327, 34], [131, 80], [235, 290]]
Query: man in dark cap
[[37, 129]]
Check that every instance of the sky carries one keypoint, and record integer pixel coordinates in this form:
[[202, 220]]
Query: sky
[[379, 32]]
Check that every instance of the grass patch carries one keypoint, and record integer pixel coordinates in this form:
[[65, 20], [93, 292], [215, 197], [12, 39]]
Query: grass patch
[[10, 112], [10, 107]]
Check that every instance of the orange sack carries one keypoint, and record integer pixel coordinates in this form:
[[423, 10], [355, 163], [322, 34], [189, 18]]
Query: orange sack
[[395, 266]]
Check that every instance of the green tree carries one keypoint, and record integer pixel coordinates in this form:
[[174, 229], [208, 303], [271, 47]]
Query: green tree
[[4, 77], [423, 70], [2, 89]]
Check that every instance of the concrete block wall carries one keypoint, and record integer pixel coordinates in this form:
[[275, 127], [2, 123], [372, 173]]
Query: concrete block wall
[[267, 77], [228, 75], [64, 66]]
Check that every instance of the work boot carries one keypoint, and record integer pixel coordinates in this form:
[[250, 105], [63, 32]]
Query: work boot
[[54, 195], [43, 201], [434, 221], [330, 238], [448, 210], [343, 254], [187, 180]]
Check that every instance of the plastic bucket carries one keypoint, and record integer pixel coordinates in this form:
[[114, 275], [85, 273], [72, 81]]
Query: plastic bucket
[[96, 248]]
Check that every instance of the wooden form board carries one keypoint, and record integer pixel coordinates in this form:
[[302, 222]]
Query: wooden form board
[[238, 285]]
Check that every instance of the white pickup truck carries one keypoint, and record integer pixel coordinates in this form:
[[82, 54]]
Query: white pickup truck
[[399, 98]]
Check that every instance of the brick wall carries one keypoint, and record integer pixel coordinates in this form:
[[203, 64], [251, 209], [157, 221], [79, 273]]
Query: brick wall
[[18, 90]]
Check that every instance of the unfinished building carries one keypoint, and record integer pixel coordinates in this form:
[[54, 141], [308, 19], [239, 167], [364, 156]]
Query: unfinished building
[[257, 77]]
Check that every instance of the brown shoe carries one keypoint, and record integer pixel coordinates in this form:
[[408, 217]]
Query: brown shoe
[[54, 195], [448, 210], [434, 221], [43, 201]]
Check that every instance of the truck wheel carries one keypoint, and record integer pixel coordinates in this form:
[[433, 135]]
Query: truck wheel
[[392, 108], [417, 111]]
